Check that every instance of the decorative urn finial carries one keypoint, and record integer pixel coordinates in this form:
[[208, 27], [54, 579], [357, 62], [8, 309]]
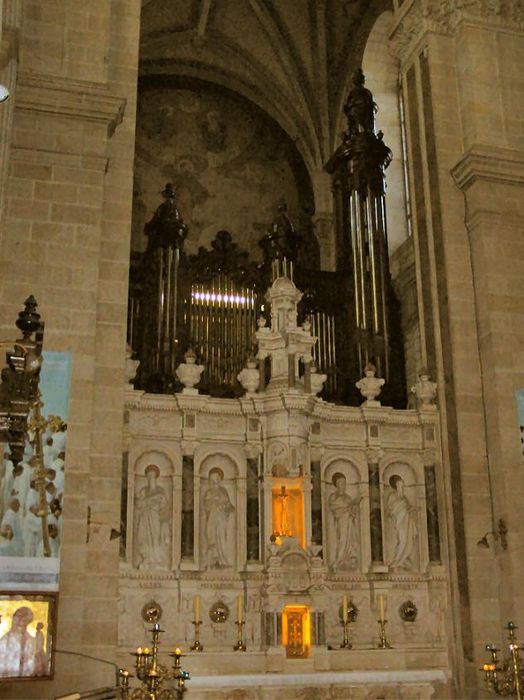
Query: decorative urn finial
[[189, 372], [424, 389], [370, 386]]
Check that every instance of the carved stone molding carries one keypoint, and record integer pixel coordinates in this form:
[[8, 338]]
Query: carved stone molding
[[418, 17], [492, 163], [76, 99]]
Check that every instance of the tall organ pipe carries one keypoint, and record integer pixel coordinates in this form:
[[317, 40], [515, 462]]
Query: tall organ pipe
[[357, 168]]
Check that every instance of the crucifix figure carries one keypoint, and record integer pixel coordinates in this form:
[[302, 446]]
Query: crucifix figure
[[283, 497]]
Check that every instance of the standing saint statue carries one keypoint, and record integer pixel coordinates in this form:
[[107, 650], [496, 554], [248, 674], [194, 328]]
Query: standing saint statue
[[152, 523], [344, 510], [218, 508], [402, 517]]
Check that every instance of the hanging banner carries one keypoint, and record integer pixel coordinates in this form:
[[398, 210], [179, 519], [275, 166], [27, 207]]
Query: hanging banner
[[25, 565]]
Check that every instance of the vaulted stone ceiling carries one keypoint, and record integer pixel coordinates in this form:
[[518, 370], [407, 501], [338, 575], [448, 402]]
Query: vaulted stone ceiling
[[293, 58]]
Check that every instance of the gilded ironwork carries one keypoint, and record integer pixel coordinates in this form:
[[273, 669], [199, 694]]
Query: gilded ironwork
[[158, 681], [408, 611], [506, 677], [19, 379], [152, 612], [219, 612]]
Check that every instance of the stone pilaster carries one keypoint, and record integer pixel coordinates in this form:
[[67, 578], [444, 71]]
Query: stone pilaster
[[459, 66]]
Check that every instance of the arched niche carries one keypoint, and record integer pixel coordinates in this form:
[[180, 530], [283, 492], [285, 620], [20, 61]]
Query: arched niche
[[152, 511], [218, 507], [402, 516], [342, 516]]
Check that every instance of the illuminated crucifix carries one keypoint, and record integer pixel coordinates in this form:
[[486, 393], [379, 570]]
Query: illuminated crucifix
[[283, 497]]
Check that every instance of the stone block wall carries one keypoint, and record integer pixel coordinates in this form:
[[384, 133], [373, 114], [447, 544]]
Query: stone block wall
[[65, 238], [465, 140]]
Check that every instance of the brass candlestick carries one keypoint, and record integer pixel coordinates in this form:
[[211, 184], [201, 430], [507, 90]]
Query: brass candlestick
[[196, 646], [346, 644], [508, 678], [155, 677], [383, 642], [240, 645]]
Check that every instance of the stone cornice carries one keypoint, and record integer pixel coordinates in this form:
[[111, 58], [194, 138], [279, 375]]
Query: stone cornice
[[492, 163], [76, 99], [418, 17], [265, 404]]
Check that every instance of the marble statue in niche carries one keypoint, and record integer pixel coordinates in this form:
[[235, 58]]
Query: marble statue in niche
[[402, 525], [217, 509], [153, 535], [344, 510]]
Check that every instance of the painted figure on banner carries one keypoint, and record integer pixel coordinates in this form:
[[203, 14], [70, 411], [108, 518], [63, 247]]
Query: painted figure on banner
[[11, 539], [18, 647], [218, 508], [6, 484], [152, 523], [344, 510], [402, 521], [32, 527]]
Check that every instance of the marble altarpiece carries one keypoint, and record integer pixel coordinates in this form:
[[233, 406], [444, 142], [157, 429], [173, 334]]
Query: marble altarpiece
[[274, 506]]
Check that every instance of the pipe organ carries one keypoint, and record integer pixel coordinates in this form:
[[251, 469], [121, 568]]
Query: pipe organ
[[357, 168], [211, 301]]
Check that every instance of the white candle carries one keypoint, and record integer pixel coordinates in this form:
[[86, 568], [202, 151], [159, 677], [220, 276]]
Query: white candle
[[345, 609], [240, 608], [196, 608], [381, 608]]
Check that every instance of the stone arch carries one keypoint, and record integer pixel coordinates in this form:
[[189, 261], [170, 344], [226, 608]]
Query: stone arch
[[154, 456]]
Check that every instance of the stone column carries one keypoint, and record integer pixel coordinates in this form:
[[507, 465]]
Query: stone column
[[10, 14], [65, 238], [461, 76]]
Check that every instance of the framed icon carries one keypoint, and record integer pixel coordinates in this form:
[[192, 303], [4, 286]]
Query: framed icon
[[27, 635]]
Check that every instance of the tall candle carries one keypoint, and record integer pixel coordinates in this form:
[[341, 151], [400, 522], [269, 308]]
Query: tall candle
[[240, 608], [345, 609], [381, 608], [196, 608]]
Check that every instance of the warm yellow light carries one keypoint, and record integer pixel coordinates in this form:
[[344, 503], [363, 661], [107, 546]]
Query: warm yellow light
[[40, 610], [139, 650], [178, 652], [146, 650], [293, 614], [288, 512]]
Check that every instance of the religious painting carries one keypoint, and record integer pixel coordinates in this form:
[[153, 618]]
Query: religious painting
[[27, 632], [32, 490]]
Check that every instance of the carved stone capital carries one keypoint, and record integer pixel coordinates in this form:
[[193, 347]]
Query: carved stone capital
[[252, 450], [75, 99], [188, 447], [429, 457], [374, 455], [493, 163], [418, 17]]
